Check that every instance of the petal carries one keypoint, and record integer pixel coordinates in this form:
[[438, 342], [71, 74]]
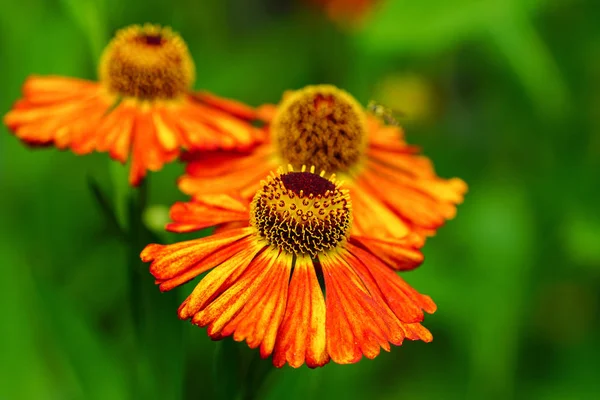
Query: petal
[[417, 332], [185, 260], [233, 107], [357, 323], [222, 172], [402, 299], [219, 279], [400, 254], [301, 337], [386, 136], [213, 128], [407, 199], [59, 111], [259, 320], [115, 132], [372, 217], [407, 183], [166, 133], [147, 153], [207, 210], [224, 309], [266, 112]]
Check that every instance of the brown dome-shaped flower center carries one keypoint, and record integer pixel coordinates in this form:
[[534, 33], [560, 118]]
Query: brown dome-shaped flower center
[[321, 126], [147, 62], [302, 212]]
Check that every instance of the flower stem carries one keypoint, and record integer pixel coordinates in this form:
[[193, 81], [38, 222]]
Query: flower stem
[[258, 372], [157, 357]]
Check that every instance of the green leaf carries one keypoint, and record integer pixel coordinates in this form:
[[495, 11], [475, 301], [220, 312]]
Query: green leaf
[[105, 207]]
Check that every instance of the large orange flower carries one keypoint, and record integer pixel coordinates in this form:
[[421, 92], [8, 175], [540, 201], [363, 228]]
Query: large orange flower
[[295, 282], [141, 106], [394, 189]]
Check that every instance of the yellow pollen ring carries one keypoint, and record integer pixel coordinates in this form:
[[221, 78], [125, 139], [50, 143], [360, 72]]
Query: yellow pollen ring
[[147, 62], [320, 125], [302, 212]]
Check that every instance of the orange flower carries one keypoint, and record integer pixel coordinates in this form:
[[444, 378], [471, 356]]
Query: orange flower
[[142, 105], [394, 189], [295, 282]]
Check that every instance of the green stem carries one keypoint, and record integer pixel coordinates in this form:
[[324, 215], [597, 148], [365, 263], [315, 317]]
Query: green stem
[[227, 370], [234, 375], [157, 333], [258, 372]]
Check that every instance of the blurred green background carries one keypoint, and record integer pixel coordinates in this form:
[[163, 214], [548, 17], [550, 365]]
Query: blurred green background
[[502, 93]]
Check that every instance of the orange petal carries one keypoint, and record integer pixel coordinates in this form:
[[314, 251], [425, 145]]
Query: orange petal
[[402, 299], [59, 111], [219, 279], [207, 210], [233, 107], [386, 136], [147, 152], [407, 200], [166, 133], [417, 332], [210, 128], [266, 112], [190, 258], [400, 254], [55, 89], [372, 217], [221, 311], [222, 172], [259, 320], [301, 336], [357, 323]]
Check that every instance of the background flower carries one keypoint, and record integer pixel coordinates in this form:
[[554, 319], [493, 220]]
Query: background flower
[[142, 108]]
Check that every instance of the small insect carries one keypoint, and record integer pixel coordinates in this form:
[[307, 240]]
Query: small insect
[[384, 113]]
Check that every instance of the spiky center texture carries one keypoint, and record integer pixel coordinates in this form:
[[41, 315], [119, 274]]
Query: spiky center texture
[[302, 212], [147, 62], [321, 126]]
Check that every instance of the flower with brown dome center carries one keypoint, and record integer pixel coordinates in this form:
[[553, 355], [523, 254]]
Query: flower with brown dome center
[[302, 213], [321, 125], [142, 109], [262, 284], [395, 190], [147, 63]]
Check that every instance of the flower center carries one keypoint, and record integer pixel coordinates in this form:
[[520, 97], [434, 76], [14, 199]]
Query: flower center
[[321, 126], [302, 212], [147, 62]]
